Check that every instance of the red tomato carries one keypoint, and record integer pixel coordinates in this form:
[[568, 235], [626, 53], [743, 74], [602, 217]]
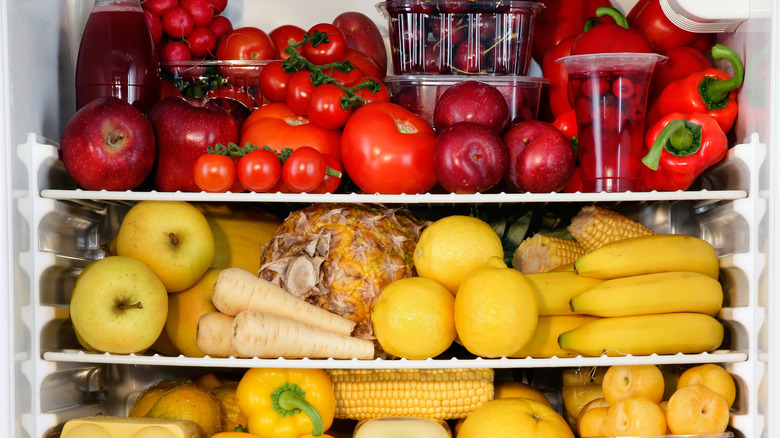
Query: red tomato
[[388, 149], [365, 63], [249, 43], [345, 79], [275, 125], [259, 170], [325, 108], [286, 35], [383, 95], [299, 89], [304, 169], [325, 52], [273, 81], [330, 183], [214, 173]]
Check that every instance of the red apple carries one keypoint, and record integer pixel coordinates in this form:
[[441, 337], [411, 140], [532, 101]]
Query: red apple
[[363, 34], [108, 144], [541, 159], [469, 158], [471, 101], [185, 129]]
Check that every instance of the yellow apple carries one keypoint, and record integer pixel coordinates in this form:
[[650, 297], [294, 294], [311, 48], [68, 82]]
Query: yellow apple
[[172, 237], [514, 417], [635, 416], [185, 309], [696, 409], [118, 305], [626, 381]]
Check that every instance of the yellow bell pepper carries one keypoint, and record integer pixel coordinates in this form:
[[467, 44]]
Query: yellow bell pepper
[[286, 403]]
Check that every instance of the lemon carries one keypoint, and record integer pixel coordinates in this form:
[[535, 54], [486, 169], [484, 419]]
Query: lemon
[[496, 310], [451, 247], [412, 318]]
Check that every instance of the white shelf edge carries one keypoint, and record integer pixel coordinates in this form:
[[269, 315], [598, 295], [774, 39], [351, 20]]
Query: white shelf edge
[[428, 198], [232, 362]]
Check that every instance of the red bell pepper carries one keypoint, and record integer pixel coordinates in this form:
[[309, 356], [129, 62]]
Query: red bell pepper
[[614, 37], [679, 148], [711, 91], [559, 19], [648, 18], [558, 90], [681, 62]]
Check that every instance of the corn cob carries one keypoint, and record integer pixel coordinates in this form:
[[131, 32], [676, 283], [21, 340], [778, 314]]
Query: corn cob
[[594, 227], [541, 253], [437, 394]]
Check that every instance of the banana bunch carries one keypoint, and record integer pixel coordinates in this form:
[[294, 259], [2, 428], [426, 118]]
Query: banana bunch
[[642, 295]]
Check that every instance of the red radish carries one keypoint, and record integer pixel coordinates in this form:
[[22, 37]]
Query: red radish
[[175, 51], [202, 11], [155, 25], [202, 40], [219, 6], [177, 22], [159, 7], [221, 26]]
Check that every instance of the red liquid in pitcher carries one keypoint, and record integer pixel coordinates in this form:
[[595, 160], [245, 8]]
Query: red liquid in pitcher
[[117, 57]]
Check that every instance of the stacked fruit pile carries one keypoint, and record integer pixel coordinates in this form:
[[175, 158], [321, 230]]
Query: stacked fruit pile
[[641, 400]]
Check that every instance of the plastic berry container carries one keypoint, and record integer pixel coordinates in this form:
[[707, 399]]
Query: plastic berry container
[[419, 93], [460, 36]]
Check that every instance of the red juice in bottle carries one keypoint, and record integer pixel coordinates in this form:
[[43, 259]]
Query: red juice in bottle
[[117, 56]]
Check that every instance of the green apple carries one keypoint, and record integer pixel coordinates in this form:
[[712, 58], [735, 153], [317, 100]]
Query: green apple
[[118, 305], [171, 237]]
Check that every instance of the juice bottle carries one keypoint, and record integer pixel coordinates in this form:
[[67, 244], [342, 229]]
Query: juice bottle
[[117, 56]]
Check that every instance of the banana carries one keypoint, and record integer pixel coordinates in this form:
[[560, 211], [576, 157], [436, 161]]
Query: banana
[[544, 342], [664, 292], [642, 335], [649, 254], [554, 290]]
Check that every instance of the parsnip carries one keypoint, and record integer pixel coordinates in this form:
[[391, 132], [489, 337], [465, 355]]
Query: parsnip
[[237, 290], [267, 335], [213, 336]]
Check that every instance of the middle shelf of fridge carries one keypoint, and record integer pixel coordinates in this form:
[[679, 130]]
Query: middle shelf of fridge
[[728, 208]]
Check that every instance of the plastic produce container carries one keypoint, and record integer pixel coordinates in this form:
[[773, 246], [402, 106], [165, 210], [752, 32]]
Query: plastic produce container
[[238, 80], [460, 36], [419, 93]]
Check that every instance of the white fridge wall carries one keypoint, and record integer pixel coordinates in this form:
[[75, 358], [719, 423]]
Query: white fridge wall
[[38, 46]]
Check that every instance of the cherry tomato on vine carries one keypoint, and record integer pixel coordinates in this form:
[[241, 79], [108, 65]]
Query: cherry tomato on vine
[[325, 108], [259, 170], [304, 169], [325, 52], [299, 89], [330, 183], [214, 173], [273, 81], [355, 76], [383, 95]]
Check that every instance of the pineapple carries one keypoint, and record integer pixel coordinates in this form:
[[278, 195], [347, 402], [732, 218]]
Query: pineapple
[[340, 256]]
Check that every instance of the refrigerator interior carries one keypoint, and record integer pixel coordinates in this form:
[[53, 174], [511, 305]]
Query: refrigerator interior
[[52, 231]]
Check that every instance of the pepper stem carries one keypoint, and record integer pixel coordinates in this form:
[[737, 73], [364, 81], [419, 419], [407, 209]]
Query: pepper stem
[[616, 15], [653, 157], [289, 399], [715, 93]]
